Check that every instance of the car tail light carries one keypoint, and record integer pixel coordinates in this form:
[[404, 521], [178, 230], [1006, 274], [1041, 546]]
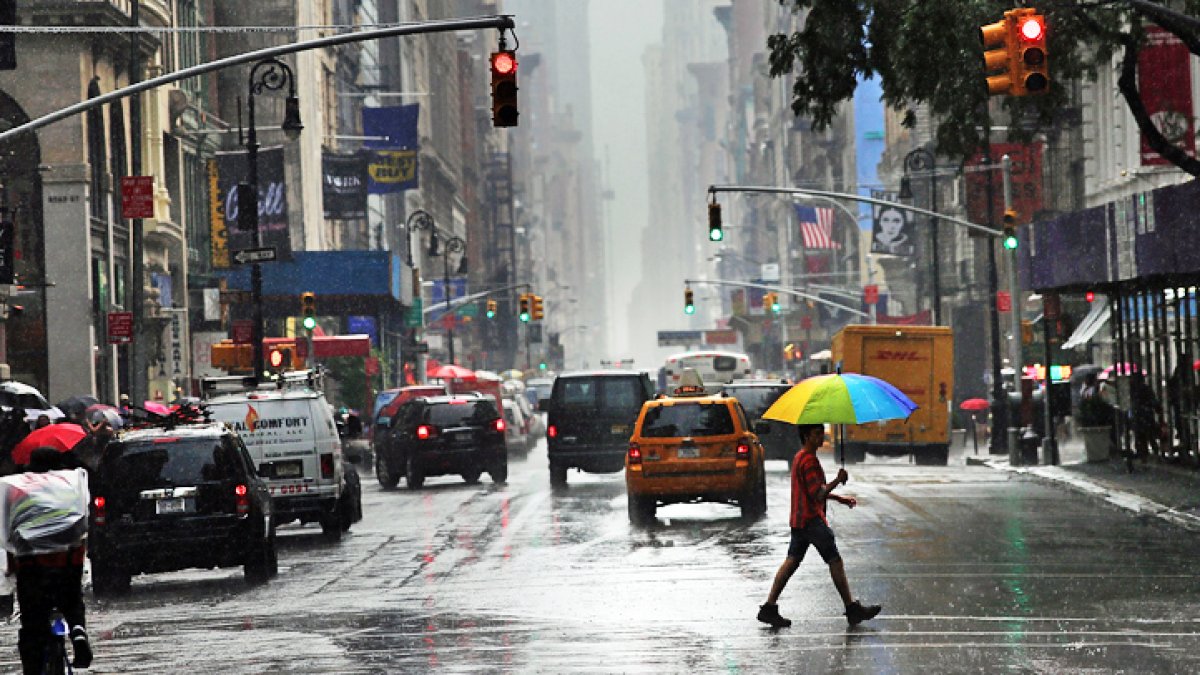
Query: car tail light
[[327, 465], [424, 431], [499, 425], [743, 451], [242, 496], [635, 453], [551, 431], [98, 509]]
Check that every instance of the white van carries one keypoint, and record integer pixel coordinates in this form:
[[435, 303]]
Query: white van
[[289, 431]]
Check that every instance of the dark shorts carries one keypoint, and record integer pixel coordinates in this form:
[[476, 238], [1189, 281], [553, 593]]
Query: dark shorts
[[820, 536]]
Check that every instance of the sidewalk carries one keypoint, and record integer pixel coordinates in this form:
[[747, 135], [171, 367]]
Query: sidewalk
[[1154, 490]]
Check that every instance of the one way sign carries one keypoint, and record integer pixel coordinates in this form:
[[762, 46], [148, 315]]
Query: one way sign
[[254, 255]]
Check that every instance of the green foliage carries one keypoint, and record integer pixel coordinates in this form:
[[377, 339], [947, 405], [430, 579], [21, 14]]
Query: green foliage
[[351, 377], [927, 51]]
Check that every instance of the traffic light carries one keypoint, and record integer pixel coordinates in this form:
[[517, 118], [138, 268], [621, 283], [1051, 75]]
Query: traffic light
[[1010, 230], [715, 233], [689, 304], [308, 310], [504, 88], [1014, 49], [491, 309], [523, 313], [537, 312], [771, 303]]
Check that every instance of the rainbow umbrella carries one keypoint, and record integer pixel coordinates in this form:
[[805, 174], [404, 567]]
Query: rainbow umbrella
[[845, 398]]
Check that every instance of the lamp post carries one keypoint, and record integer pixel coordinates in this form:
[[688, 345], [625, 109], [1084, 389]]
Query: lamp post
[[268, 75], [417, 220], [921, 159], [454, 244]]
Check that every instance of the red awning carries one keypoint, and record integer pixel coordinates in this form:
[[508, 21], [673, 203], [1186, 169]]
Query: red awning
[[327, 346]]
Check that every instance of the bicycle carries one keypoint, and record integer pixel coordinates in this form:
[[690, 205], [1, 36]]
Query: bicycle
[[56, 661]]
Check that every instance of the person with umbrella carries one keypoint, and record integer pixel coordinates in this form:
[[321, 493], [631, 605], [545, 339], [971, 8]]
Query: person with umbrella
[[835, 399]]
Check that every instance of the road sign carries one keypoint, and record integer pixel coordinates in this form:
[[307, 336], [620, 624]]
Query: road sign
[[137, 196], [243, 332], [414, 317], [254, 255], [871, 294], [120, 328], [680, 338], [1003, 301]]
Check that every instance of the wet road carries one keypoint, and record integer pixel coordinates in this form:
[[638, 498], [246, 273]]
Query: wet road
[[978, 571]]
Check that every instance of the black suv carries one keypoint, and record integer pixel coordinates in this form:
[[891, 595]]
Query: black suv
[[169, 499], [437, 435], [756, 396], [589, 418]]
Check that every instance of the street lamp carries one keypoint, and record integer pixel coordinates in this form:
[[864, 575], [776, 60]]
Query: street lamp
[[921, 159], [418, 220], [454, 244], [268, 75]]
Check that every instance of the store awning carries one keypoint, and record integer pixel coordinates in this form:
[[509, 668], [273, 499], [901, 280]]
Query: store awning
[[1091, 324]]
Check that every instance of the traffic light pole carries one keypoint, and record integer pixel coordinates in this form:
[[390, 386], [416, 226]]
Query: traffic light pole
[[779, 289], [1014, 310]]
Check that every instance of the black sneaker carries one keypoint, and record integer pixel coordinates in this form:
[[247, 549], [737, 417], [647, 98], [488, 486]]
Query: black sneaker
[[769, 614], [856, 613], [81, 647]]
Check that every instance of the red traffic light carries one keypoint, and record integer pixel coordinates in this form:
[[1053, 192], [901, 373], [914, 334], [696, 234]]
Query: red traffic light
[[276, 359], [504, 63], [1032, 29]]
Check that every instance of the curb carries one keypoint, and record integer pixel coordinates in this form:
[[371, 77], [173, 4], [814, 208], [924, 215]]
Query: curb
[[1122, 499]]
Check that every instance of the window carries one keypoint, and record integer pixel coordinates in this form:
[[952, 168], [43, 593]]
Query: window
[[170, 462], [579, 392], [621, 394], [461, 414], [687, 419]]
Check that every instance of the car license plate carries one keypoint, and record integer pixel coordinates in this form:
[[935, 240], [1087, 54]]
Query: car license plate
[[620, 428], [289, 469], [174, 505], [688, 453]]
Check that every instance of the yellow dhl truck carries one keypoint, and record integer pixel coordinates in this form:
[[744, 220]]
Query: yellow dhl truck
[[917, 360]]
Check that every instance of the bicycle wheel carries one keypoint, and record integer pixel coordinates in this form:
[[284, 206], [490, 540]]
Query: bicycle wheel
[[56, 662]]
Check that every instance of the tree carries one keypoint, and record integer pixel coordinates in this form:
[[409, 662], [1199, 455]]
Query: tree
[[929, 52]]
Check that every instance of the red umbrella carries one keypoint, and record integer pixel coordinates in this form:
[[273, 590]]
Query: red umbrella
[[156, 408], [975, 404], [1123, 369], [453, 371], [61, 437]]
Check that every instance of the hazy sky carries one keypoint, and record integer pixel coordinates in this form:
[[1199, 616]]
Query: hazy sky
[[620, 32]]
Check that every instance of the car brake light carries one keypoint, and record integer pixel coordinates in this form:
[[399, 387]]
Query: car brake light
[[635, 453], [101, 513], [424, 431], [242, 497], [743, 451], [551, 431], [499, 424], [327, 465]]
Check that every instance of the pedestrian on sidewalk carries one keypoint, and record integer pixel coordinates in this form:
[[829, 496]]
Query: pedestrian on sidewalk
[[810, 527]]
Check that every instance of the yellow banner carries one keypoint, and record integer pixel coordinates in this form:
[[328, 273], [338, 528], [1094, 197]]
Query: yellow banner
[[216, 217]]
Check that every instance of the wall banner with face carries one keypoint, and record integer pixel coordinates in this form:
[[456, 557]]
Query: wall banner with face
[[892, 232]]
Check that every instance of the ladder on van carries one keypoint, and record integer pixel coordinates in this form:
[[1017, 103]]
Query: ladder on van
[[230, 384]]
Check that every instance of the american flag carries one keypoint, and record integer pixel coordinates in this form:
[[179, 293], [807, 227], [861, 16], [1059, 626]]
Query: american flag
[[816, 226]]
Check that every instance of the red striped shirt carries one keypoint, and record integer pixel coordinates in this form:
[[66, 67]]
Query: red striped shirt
[[807, 480]]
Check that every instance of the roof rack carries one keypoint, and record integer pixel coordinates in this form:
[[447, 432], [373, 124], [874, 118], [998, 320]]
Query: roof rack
[[313, 379], [187, 413]]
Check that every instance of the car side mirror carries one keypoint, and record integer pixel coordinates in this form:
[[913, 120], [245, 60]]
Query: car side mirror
[[761, 427], [544, 405]]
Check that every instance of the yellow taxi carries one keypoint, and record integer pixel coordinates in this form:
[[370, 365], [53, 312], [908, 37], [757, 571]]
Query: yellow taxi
[[694, 447]]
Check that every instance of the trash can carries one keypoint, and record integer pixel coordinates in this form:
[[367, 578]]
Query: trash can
[[1030, 442]]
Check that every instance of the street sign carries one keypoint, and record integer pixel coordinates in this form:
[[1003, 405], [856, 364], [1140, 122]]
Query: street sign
[[414, 317], [137, 196], [871, 294], [120, 328], [243, 332], [1003, 301], [679, 338], [254, 255]]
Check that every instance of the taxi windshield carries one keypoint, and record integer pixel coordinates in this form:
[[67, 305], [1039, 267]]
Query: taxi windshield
[[687, 419]]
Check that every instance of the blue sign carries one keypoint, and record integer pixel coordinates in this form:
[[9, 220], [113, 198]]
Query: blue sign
[[394, 146], [363, 325]]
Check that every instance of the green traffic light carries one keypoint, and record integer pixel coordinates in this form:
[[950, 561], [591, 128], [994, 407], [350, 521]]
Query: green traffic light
[[310, 322], [542, 366], [1010, 243], [689, 309], [716, 234], [491, 314], [525, 316]]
